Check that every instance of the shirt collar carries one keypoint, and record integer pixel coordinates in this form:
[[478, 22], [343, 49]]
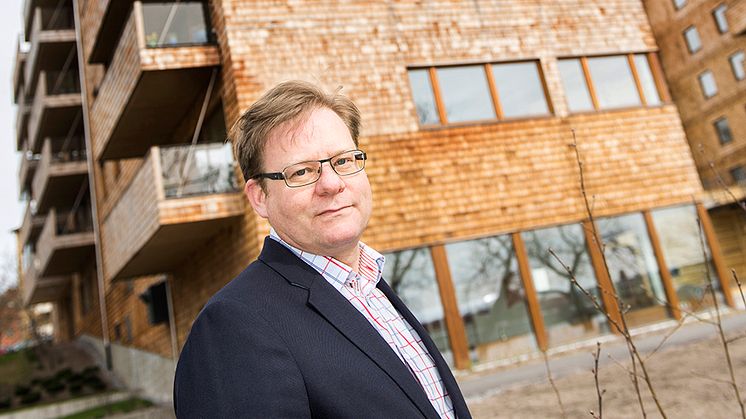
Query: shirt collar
[[339, 274]]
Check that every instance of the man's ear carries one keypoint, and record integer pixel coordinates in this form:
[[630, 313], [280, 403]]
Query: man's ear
[[256, 196]]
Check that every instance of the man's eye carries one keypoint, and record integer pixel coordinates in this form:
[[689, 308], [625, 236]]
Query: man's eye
[[300, 172], [342, 161]]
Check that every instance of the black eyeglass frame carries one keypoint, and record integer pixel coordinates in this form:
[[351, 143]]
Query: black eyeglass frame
[[281, 176]]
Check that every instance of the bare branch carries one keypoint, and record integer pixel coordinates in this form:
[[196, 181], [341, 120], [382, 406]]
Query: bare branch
[[554, 386]]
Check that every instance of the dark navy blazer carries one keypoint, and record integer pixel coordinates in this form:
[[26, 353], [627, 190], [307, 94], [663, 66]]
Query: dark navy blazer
[[280, 342]]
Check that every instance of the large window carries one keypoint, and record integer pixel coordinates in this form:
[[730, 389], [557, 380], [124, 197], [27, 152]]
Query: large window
[[612, 78], [411, 274], [568, 314], [466, 94], [736, 64], [481, 92], [678, 4], [424, 100], [722, 128], [608, 82], [708, 85], [720, 20], [679, 235], [633, 268], [175, 23], [491, 297], [691, 37]]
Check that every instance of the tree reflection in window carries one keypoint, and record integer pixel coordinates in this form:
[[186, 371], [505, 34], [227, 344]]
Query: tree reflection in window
[[568, 314], [491, 297]]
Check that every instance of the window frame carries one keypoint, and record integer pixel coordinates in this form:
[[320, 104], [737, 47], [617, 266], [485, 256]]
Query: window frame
[[679, 4], [702, 86], [493, 93], [686, 39], [718, 130], [655, 70], [722, 26], [733, 67]]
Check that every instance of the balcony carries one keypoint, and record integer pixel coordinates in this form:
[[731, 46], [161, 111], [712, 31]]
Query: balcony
[[61, 174], [22, 117], [154, 82], [26, 170], [180, 197], [56, 110], [39, 290], [52, 38], [30, 226], [65, 242]]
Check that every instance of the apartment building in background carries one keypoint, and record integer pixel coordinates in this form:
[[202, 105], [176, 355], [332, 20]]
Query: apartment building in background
[[474, 114], [703, 49]]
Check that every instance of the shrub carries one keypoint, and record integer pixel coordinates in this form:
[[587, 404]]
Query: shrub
[[31, 397], [64, 374], [22, 390], [5, 403], [53, 386]]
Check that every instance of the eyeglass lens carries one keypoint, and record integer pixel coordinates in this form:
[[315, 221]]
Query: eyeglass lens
[[307, 172]]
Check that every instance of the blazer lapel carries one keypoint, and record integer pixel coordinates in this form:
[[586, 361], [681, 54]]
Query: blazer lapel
[[346, 319], [459, 404]]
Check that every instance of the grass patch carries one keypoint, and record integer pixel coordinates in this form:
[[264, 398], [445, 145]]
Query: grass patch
[[125, 406], [15, 367]]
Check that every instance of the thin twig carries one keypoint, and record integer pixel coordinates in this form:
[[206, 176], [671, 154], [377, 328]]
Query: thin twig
[[554, 386], [599, 392], [720, 180], [720, 323], [737, 338], [717, 380], [740, 288], [624, 330]]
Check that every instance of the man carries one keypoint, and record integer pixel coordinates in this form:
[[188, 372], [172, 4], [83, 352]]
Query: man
[[310, 329]]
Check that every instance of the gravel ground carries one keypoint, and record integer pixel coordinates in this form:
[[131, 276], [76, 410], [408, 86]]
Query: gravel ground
[[690, 380]]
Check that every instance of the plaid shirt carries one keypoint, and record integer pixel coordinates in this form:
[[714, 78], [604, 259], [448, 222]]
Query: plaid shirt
[[360, 290]]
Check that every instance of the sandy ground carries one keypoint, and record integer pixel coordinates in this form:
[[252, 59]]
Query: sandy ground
[[689, 381]]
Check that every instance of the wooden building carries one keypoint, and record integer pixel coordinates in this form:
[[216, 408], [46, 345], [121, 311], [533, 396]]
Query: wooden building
[[469, 110]]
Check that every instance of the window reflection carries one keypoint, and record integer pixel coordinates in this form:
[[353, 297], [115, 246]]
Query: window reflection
[[679, 234], [633, 268], [491, 297], [568, 314], [691, 36], [613, 81], [175, 23], [466, 94], [424, 100], [520, 89], [708, 85], [574, 83], [411, 274]]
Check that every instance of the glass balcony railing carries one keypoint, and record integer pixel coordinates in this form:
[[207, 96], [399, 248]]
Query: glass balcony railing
[[197, 170], [74, 221], [57, 18], [60, 83], [68, 149], [168, 24]]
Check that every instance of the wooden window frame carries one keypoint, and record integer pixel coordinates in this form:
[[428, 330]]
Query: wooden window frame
[[702, 87], [493, 92], [655, 70], [717, 130], [733, 66], [686, 40], [717, 22]]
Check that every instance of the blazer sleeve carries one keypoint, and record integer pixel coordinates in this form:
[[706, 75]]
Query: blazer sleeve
[[235, 365]]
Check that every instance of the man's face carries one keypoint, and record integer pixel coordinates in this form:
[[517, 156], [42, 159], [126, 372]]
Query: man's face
[[327, 217]]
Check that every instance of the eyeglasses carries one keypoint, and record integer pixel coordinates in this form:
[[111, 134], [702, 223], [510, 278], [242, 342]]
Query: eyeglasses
[[307, 172]]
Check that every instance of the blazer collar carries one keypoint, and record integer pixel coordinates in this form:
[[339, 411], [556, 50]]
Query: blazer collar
[[330, 304]]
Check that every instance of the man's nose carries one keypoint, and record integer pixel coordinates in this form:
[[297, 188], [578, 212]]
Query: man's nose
[[329, 181]]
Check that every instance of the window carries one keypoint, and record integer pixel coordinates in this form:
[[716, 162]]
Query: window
[[568, 314], [574, 83], [491, 297], [707, 83], [175, 23], [411, 274], [612, 78], [520, 89], [679, 235], [739, 175], [723, 130], [691, 36], [633, 268], [678, 4], [720, 20], [478, 92], [466, 94], [608, 82], [736, 64], [424, 100], [647, 81]]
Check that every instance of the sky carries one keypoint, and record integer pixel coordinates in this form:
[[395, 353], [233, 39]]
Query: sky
[[11, 208]]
